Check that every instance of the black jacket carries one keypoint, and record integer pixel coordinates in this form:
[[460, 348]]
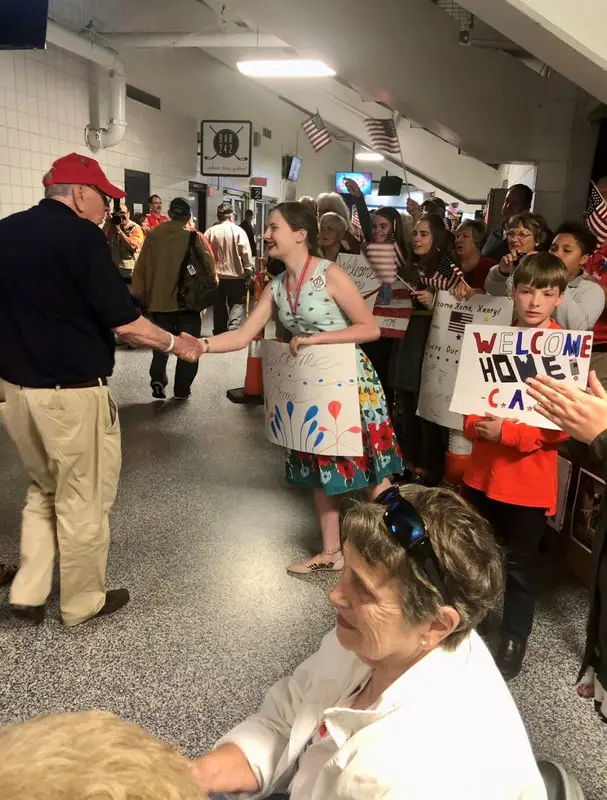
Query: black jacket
[[596, 633]]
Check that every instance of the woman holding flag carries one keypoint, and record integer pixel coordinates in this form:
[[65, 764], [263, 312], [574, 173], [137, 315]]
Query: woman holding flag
[[430, 269], [386, 251]]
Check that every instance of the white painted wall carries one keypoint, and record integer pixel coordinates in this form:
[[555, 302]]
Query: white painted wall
[[44, 108]]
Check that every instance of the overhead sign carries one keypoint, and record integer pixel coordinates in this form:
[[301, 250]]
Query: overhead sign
[[444, 346], [495, 362], [226, 148], [256, 192], [311, 399]]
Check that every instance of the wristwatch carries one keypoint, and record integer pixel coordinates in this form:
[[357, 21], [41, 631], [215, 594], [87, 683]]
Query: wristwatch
[[206, 341]]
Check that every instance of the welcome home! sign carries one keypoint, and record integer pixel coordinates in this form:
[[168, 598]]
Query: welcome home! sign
[[496, 361]]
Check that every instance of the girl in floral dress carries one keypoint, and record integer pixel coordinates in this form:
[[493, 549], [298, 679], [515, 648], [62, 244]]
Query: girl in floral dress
[[319, 304]]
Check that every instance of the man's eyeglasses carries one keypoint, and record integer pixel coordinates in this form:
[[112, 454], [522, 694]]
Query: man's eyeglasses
[[405, 524], [104, 197]]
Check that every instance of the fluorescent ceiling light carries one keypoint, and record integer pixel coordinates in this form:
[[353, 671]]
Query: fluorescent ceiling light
[[365, 155], [285, 68]]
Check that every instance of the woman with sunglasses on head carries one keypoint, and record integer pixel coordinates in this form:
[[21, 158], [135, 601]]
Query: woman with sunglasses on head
[[403, 700], [429, 269], [319, 304]]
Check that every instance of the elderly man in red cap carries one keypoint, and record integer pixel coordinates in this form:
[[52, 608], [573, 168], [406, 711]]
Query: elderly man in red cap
[[61, 301]]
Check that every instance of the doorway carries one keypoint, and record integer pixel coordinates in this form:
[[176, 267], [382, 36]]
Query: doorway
[[197, 198], [262, 210], [137, 188], [238, 202]]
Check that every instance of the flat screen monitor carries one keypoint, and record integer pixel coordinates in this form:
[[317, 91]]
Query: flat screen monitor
[[23, 24], [294, 168], [363, 179]]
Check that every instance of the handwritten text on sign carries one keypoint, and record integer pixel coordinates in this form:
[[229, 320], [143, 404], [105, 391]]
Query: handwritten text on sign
[[363, 275], [311, 400], [443, 350], [495, 363]]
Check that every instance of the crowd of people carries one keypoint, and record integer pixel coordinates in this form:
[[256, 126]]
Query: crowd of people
[[422, 557]]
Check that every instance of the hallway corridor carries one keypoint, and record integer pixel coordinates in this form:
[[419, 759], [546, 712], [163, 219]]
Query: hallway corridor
[[203, 527]]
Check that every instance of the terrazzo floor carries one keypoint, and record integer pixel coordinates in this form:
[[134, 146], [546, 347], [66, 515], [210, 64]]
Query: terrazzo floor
[[203, 526]]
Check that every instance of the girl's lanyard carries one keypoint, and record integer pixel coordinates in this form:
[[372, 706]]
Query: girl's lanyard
[[293, 304]]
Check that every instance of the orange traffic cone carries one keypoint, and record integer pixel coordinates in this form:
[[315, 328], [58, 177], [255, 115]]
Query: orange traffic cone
[[456, 459], [252, 392]]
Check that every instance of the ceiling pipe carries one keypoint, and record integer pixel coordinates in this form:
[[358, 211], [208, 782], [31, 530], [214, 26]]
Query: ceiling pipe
[[206, 40], [85, 48]]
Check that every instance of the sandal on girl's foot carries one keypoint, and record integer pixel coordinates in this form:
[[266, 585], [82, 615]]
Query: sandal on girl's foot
[[334, 563]]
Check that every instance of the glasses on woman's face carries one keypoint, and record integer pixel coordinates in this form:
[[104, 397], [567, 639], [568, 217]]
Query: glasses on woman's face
[[520, 235]]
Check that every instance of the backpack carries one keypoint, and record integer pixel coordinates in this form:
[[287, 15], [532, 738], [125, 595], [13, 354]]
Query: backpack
[[196, 285]]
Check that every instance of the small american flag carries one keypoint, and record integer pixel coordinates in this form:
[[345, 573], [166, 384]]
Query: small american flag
[[459, 320], [385, 258], [383, 135], [597, 214], [446, 275], [358, 231], [316, 131]]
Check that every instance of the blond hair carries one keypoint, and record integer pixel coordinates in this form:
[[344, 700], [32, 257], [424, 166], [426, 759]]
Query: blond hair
[[469, 557], [331, 201], [90, 754]]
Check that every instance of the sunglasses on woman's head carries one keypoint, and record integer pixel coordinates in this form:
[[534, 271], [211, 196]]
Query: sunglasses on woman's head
[[407, 527]]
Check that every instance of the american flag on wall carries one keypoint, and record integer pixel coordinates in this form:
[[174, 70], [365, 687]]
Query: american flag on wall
[[445, 276], [596, 218], [316, 131], [383, 136]]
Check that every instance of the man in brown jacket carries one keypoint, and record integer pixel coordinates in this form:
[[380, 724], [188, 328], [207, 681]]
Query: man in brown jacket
[[155, 280]]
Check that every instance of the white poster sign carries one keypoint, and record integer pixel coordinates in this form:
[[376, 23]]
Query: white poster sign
[[226, 148], [363, 275], [443, 349], [311, 400], [495, 363]]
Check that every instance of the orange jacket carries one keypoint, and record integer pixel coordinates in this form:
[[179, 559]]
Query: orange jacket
[[521, 470]]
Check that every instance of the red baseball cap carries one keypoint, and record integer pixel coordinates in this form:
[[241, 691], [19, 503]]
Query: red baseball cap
[[81, 169]]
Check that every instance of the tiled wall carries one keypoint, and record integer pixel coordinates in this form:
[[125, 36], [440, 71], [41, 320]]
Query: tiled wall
[[44, 107]]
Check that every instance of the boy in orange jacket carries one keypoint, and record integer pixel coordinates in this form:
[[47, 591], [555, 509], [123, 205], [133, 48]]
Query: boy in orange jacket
[[511, 477]]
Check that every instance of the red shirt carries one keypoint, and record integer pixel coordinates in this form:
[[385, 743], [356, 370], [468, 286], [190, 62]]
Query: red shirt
[[153, 221], [521, 469], [476, 278], [597, 267]]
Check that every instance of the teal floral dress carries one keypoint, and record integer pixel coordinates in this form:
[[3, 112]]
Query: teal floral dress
[[319, 313]]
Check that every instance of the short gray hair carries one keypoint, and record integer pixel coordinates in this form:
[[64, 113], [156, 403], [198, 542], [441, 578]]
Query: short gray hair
[[56, 189], [331, 216], [478, 228], [468, 554]]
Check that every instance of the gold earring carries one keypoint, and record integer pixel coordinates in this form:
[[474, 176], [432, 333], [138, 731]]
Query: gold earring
[[423, 642]]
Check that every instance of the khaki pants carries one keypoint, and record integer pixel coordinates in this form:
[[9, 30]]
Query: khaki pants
[[69, 442]]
